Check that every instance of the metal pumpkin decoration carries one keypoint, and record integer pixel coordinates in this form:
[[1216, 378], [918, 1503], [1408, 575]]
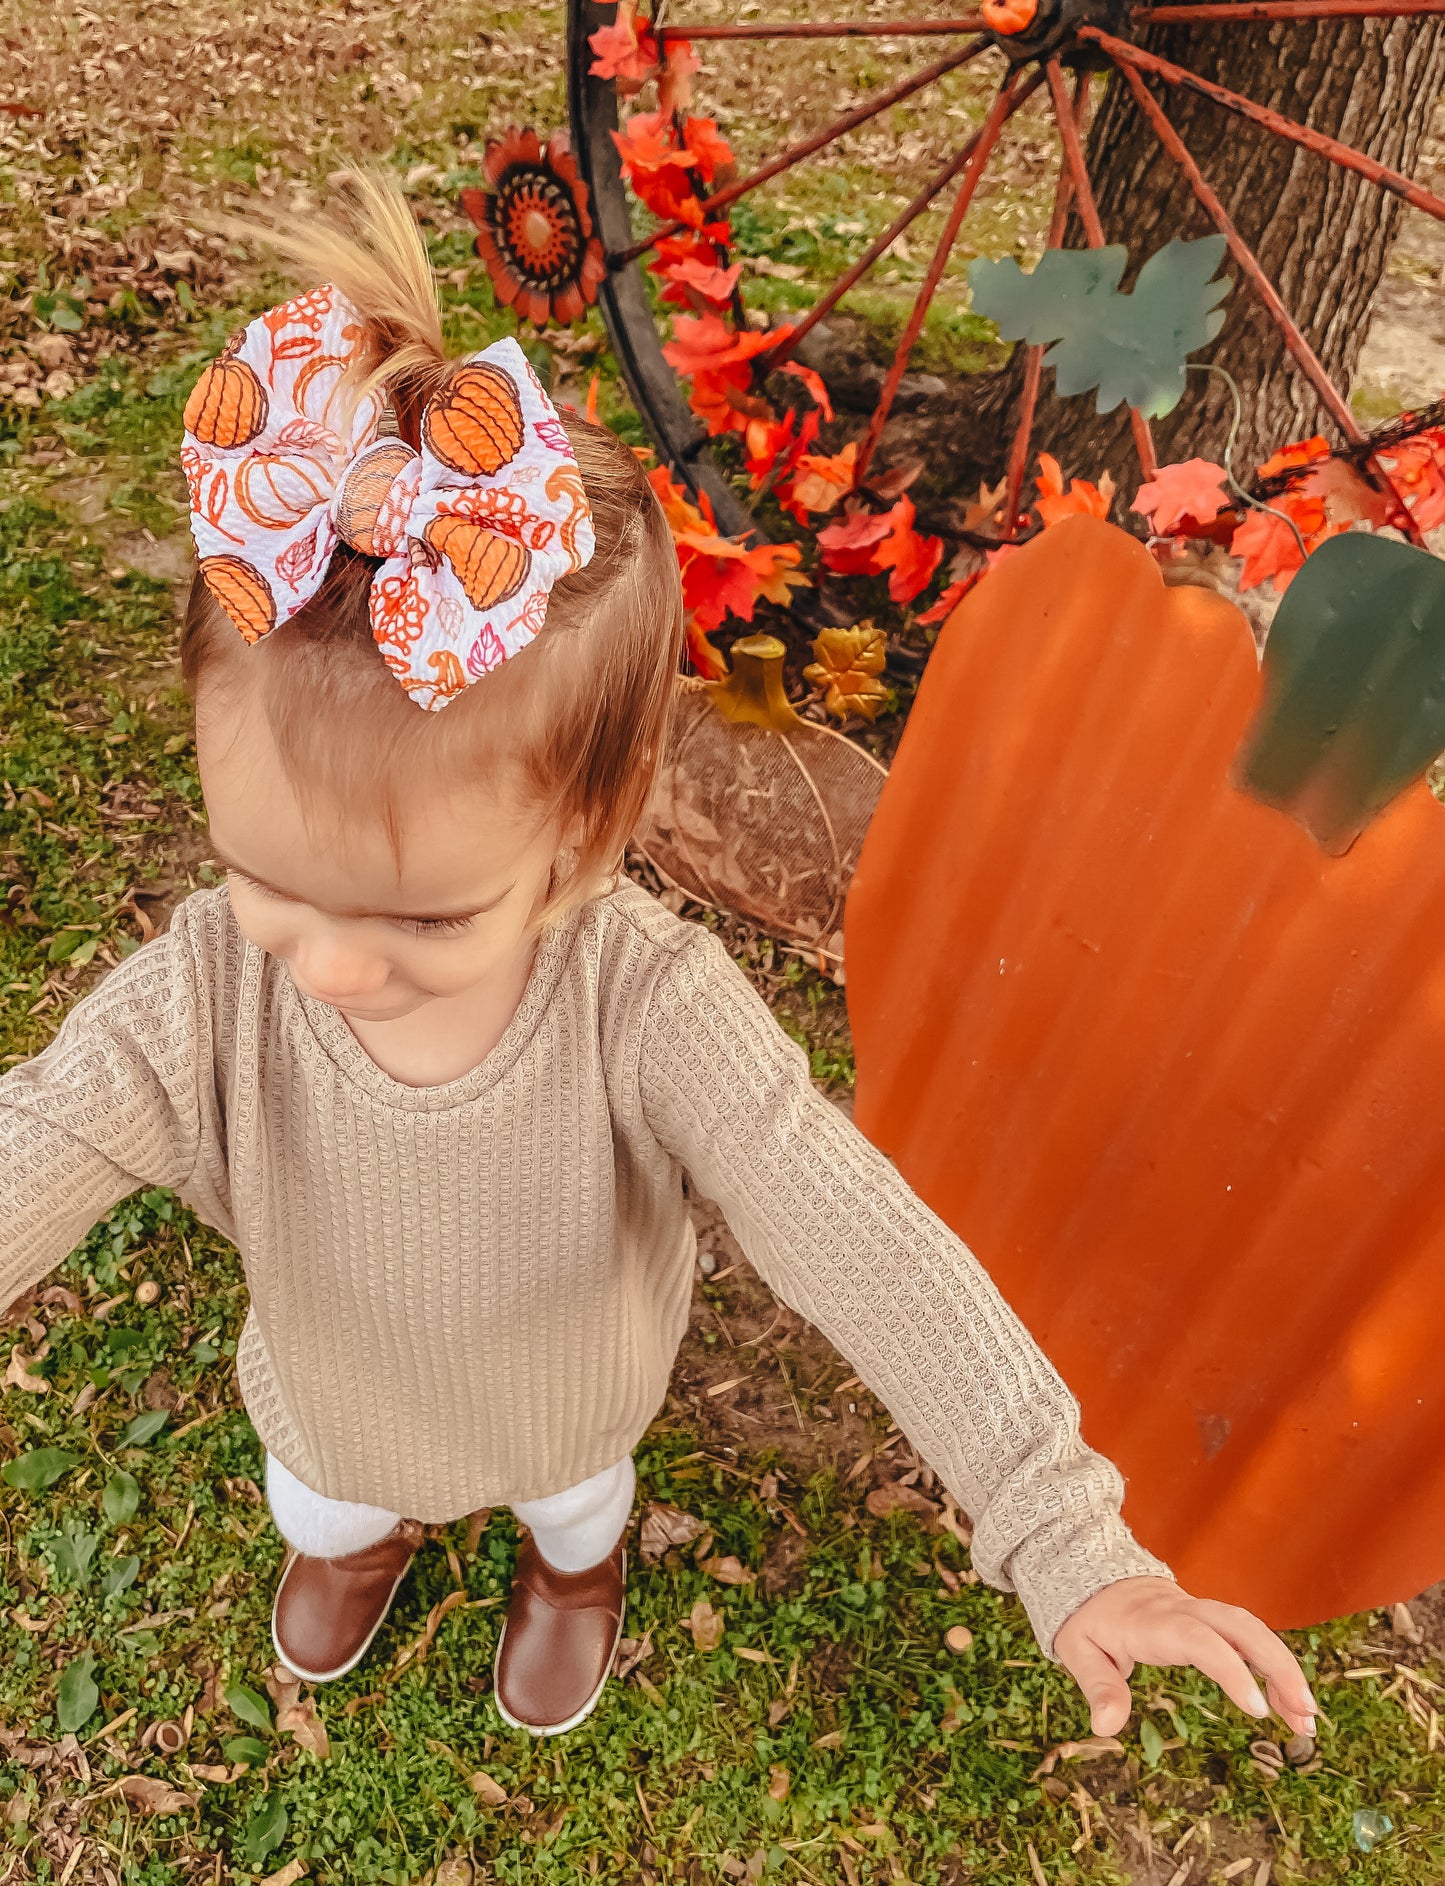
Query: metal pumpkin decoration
[[757, 810], [1170, 1066]]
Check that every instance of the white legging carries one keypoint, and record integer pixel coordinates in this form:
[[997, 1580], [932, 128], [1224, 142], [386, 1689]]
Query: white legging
[[574, 1530]]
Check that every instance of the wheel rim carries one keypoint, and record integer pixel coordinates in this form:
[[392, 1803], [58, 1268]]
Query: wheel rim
[[1063, 35]]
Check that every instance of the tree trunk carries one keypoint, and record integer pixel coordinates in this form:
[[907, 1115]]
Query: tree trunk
[[1322, 234]]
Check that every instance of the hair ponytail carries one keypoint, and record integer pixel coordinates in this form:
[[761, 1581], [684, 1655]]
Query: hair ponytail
[[368, 244]]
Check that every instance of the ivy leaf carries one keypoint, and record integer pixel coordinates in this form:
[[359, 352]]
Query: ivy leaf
[[120, 1577], [77, 1697], [120, 1499], [1129, 346], [247, 1749], [265, 1830], [144, 1428], [74, 1550], [38, 1469], [247, 1706]]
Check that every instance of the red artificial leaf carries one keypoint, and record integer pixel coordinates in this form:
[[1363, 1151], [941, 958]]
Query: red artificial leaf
[[1081, 499], [674, 83], [1295, 457], [952, 596], [851, 546], [1417, 471], [706, 344], [717, 581], [912, 557], [647, 141], [814, 383], [705, 659], [775, 447], [708, 146], [1269, 549], [1191, 492], [683, 517], [622, 53], [774, 567], [695, 278], [821, 482]]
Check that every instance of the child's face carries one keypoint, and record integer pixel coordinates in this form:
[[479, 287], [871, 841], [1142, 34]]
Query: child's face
[[374, 942]]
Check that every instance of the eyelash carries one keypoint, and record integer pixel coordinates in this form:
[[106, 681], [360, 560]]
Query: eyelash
[[418, 926]]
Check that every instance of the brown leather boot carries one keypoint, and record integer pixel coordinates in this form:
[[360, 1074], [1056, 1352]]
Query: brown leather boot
[[328, 1610], [558, 1642]]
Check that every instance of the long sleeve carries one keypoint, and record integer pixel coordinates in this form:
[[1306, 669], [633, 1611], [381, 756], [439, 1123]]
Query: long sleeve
[[110, 1105], [837, 1234]]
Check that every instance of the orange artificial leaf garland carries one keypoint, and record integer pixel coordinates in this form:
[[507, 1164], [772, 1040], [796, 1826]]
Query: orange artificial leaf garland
[[1081, 499], [1191, 492]]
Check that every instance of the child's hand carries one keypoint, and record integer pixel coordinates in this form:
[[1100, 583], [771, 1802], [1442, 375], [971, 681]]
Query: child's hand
[[1150, 1620]]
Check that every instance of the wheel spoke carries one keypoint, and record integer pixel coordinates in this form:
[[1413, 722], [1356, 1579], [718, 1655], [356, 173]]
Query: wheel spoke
[[828, 29], [1073, 144], [825, 305], [881, 101], [1304, 135], [1309, 361], [1034, 365], [1249, 10], [1011, 95]]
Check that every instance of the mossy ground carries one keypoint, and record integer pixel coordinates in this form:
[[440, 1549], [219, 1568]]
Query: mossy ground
[[831, 1735]]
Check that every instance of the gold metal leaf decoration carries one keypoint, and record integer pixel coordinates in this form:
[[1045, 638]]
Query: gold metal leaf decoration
[[847, 670], [753, 690]]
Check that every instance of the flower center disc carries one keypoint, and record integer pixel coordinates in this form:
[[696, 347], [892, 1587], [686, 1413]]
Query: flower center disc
[[537, 230]]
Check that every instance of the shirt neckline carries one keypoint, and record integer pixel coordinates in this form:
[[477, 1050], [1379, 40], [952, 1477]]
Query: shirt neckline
[[336, 1040]]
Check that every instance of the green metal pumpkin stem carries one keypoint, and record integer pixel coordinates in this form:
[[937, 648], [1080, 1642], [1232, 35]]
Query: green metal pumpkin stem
[[1210, 366]]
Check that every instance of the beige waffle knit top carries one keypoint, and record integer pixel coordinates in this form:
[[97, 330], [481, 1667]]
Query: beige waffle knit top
[[472, 1294]]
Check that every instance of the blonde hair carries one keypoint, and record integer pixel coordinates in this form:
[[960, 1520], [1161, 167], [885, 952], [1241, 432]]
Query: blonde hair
[[574, 725]]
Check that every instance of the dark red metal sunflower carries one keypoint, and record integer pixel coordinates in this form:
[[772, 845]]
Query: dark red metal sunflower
[[534, 230]]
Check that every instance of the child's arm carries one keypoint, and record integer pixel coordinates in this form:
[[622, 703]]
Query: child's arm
[[110, 1105], [840, 1237]]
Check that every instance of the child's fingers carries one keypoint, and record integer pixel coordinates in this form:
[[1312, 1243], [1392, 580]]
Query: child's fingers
[[1270, 1656], [1200, 1643], [1105, 1689]]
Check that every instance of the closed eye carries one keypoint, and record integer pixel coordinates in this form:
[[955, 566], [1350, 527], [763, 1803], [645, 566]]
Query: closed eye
[[418, 926]]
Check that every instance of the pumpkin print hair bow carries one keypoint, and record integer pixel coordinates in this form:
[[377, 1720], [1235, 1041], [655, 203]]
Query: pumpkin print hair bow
[[471, 531]]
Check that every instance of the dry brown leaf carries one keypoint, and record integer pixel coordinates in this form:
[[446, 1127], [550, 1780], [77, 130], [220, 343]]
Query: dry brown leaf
[[981, 515], [150, 1796], [57, 1293], [210, 1771], [846, 670], [706, 1625], [301, 1721], [491, 1793], [423, 1644], [287, 1875], [779, 1709], [728, 1571], [631, 1651], [1089, 1750], [283, 1685], [664, 1527], [780, 1783], [895, 1498], [17, 1375]]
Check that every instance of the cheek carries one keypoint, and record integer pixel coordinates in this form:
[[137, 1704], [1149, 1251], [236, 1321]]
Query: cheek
[[263, 921]]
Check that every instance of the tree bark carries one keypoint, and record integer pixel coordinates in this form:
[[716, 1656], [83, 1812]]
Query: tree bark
[[1322, 234]]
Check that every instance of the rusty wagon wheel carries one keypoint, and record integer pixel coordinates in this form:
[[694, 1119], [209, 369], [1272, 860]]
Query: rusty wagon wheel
[[1010, 53]]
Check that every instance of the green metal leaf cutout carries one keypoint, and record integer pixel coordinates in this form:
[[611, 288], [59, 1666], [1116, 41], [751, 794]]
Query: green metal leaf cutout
[[1130, 346], [1353, 704]]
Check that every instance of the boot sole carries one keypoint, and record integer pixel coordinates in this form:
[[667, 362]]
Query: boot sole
[[342, 1669], [561, 1728]]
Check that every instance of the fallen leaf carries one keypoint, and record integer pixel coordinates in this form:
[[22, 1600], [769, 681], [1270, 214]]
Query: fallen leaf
[[728, 1571], [210, 1771], [1090, 1750], [706, 1625], [287, 1875], [894, 1499], [301, 1721], [780, 1783], [1182, 494], [664, 1527], [150, 1796], [18, 1375], [488, 1791]]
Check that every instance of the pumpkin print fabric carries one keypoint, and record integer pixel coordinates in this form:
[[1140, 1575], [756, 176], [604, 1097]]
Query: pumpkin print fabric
[[471, 532]]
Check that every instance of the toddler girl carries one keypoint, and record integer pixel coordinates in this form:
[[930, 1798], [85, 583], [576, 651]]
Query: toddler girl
[[441, 1075]]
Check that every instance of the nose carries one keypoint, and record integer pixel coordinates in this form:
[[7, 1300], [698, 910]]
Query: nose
[[337, 972]]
